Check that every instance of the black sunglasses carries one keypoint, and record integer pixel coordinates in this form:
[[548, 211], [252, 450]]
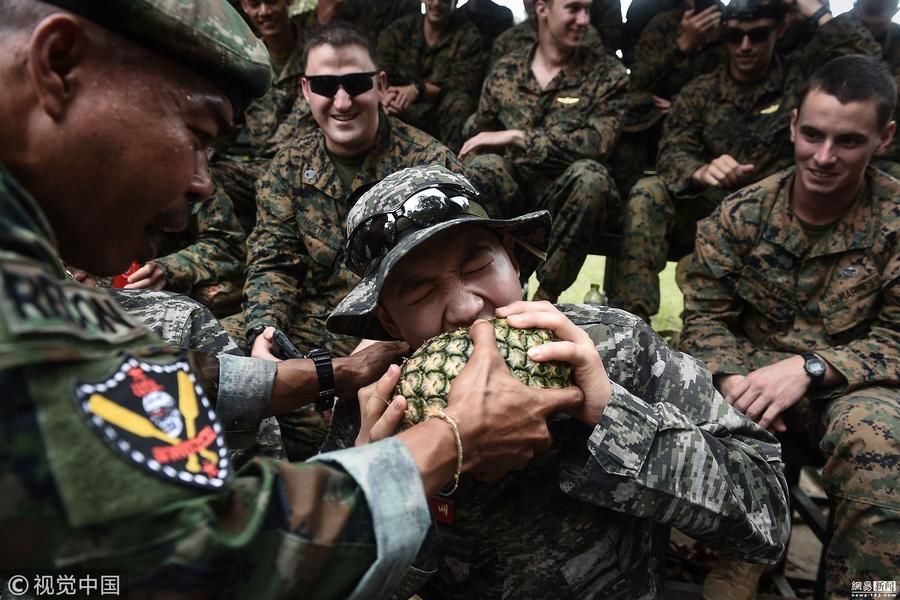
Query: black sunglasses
[[372, 239], [734, 35], [353, 83]]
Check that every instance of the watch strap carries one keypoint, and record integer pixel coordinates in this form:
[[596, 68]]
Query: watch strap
[[325, 372]]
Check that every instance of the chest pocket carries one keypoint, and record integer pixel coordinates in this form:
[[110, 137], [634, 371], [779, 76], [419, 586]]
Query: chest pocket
[[772, 301], [851, 300], [321, 233]]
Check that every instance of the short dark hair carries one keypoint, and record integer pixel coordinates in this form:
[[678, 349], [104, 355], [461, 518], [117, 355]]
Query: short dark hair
[[338, 34], [856, 78]]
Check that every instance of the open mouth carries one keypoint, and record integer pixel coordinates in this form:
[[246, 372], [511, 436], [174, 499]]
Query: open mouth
[[344, 118], [821, 174]]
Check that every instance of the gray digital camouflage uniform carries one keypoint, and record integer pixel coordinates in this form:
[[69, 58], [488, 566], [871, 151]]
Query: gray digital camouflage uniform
[[295, 272], [570, 128], [712, 116], [455, 64], [576, 522], [757, 293]]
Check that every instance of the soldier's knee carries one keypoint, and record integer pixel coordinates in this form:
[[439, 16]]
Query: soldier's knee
[[651, 195], [591, 178], [863, 445]]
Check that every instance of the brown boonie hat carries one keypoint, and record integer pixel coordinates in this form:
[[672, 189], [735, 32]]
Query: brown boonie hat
[[399, 213]]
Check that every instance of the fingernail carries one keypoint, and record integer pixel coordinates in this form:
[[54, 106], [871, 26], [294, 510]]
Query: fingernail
[[535, 353]]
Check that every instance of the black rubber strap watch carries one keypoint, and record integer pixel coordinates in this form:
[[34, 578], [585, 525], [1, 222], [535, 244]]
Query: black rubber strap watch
[[325, 372], [815, 368]]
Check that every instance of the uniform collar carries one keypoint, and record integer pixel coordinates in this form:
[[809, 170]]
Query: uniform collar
[[853, 231], [326, 180], [746, 94], [24, 228]]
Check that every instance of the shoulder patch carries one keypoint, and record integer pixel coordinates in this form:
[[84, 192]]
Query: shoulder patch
[[34, 301], [158, 418]]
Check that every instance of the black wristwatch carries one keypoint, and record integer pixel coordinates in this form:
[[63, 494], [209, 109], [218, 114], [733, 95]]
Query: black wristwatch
[[420, 89], [325, 372], [815, 368]]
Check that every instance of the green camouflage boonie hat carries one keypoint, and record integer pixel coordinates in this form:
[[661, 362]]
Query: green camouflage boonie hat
[[207, 36], [443, 199]]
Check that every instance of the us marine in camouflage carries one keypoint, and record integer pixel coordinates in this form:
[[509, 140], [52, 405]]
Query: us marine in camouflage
[[294, 271], [112, 450], [524, 35], [435, 65], [675, 47], [205, 261], [282, 114], [726, 129], [877, 16], [653, 442], [490, 18], [793, 301], [542, 133]]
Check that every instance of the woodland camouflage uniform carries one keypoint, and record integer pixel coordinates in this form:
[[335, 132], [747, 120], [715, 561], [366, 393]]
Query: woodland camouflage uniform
[[757, 292]]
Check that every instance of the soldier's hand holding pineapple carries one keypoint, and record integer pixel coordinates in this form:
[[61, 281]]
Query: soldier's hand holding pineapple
[[502, 422]]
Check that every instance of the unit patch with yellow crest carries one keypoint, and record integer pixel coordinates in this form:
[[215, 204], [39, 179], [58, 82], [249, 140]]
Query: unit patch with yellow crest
[[158, 417]]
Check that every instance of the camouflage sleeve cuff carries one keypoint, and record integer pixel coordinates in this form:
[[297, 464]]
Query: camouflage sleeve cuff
[[179, 277], [537, 145], [622, 440], [245, 394], [387, 474]]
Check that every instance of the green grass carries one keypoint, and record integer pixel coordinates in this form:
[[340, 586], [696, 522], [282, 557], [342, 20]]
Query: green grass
[[671, 300]]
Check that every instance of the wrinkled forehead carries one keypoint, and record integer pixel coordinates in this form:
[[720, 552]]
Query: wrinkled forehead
[[445, 250]]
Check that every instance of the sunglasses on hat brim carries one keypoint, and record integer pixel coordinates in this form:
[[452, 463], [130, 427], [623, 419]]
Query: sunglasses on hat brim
[[352, 83], [372, 239]]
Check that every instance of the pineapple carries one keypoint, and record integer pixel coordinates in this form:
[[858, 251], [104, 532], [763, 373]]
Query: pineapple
[[426, 376]]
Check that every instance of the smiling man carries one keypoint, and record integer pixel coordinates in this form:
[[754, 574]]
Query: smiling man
[[112, 444], [793, 301], [294, 272], [653, 441], [726, 129], [547, 120]]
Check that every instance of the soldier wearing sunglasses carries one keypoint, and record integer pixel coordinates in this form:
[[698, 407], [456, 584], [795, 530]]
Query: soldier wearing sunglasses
[[726, 129], [295, 273]]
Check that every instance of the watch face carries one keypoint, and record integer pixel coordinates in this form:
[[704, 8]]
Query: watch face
[[815, 367]]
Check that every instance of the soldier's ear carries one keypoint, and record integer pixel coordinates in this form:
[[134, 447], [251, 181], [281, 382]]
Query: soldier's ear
[[304, 87], [381, 82], [387, 323], [887, 136], [794, 115], [57, 48]]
